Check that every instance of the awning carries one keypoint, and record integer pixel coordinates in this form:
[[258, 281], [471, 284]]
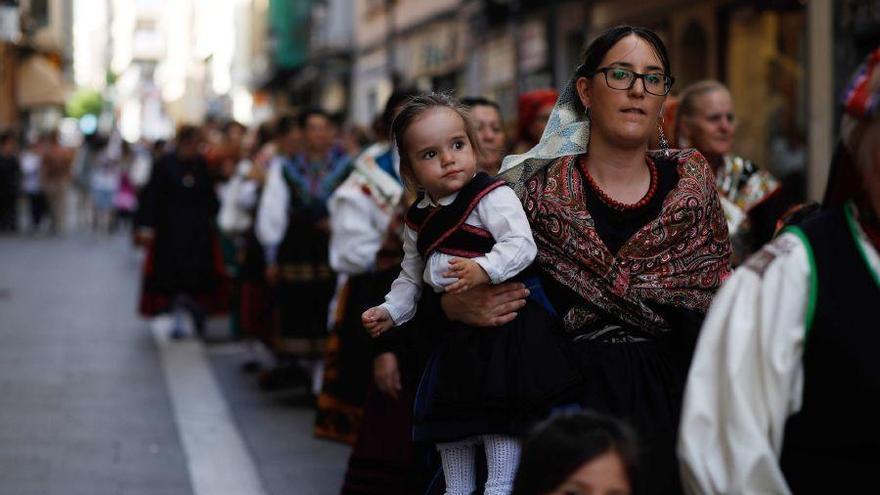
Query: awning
[[39, 83]]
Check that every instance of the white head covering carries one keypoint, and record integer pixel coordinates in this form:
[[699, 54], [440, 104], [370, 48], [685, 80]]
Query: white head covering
[[567, 133]]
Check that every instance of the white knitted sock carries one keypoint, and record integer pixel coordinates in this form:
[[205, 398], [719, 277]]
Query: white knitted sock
[[458, 466], [502, 459]]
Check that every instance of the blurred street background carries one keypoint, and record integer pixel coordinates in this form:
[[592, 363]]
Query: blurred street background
[[95, 399]]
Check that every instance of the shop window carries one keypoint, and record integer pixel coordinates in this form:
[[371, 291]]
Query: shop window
[[39, 13], [766, 57]]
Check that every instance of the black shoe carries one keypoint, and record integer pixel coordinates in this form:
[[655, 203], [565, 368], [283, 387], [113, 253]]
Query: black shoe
[[178, 334]]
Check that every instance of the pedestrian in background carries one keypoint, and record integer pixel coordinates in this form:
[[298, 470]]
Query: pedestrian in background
[[294, 228], [125, 199], [784, 392], [10, 181], [534, 110], [56, 173], [184, 266], [364, 213], [104, 184], [489, 123], [31, 162], [753, 200]]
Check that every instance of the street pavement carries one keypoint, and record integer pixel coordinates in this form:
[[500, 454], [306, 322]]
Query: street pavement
[[85, 402]]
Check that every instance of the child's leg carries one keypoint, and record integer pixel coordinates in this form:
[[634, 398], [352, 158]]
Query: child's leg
[[502, 459], [458, 466]]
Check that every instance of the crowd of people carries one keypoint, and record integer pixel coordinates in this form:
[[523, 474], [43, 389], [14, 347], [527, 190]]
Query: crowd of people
[[622, 306], [94, 185]]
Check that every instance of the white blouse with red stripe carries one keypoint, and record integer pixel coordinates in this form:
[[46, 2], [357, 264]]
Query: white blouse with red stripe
[[501, 214]]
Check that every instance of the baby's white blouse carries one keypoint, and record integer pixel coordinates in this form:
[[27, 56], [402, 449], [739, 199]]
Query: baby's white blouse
[[501, 214]]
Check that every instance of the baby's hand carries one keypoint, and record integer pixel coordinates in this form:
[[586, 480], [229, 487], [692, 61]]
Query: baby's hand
[[469, 274], [376, 320]]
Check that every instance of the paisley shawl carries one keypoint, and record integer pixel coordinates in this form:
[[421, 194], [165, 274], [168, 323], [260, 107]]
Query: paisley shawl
[[678, 259]]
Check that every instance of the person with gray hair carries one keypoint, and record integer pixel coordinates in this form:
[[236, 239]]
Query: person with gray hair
[[753, 200], [783, 394]]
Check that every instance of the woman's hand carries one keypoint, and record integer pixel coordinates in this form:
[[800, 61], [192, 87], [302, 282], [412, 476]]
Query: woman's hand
[[386, 374], [486, 305]]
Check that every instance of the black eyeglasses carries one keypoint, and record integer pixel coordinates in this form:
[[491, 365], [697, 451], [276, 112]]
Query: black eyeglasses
[[623, 79]]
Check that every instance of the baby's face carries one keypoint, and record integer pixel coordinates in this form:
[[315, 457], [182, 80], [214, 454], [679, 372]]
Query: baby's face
[[442, 157]]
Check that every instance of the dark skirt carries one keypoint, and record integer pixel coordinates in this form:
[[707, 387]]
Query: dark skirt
[[348, 359], [384, 460], [257, 310], [640, 382], [494, 380], [208, 285], [306, 285]]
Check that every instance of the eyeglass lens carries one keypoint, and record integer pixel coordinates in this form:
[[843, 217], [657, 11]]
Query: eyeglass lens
[[617, 78]]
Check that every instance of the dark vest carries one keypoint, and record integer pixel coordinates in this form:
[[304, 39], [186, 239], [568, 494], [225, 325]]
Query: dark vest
[[443, 228], [832, 445]]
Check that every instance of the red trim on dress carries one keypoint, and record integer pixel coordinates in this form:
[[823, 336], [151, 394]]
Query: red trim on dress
[[460, 252], [467, 212], [473, 229]]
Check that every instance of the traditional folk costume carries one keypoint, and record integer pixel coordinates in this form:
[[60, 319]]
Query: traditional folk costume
[[292, 209], [180, 205], [366, 244], [239, 197], [361, 210], [480, 385], [784, 392], [753, 201], [630, 285]]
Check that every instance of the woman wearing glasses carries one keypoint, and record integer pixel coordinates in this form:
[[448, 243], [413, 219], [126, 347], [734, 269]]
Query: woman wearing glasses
[[632, 243], [752, 199]]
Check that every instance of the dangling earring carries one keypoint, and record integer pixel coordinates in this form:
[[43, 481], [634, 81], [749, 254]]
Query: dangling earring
[[587, 114], [664, 143]]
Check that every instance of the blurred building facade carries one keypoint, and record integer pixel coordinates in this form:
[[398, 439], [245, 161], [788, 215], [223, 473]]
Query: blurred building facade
[[784, 60], [35, 62], [774, 55]]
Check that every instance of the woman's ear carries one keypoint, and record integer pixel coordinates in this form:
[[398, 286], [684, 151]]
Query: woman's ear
[[584, 89]]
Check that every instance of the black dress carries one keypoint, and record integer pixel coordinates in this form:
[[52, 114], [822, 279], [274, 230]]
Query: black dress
[[486, 380], [306, 282], [630, 373], [180, 204]]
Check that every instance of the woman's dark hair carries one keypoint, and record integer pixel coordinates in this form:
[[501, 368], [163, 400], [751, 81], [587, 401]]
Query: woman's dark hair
[[480, 101], [284, 124], [415, 108], [263, 135], [187, 134], [600, 46], [561, 445]]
